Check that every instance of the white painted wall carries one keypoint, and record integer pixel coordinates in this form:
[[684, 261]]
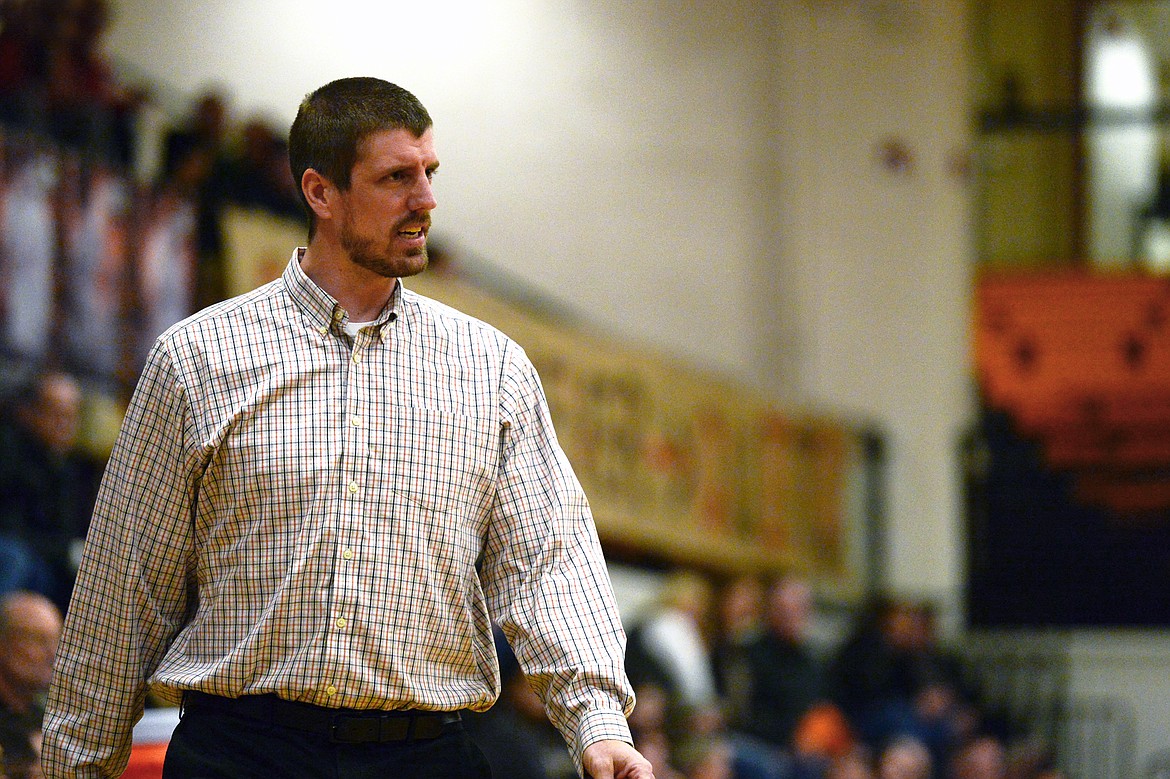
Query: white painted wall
[[880, 258]]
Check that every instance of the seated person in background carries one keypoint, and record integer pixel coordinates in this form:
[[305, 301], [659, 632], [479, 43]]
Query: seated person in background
[[47, 488], [786, 677], [982, 757], [650, 727], [857, 763], [259, 175], [668, 647], [905, 758], [706, 756], [738, 622], [197, 165], [30, 626], [893, 680], [26, 27], [515, 734], [87, 108]]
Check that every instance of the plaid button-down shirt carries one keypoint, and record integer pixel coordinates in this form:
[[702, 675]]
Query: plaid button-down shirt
[[337, 521]]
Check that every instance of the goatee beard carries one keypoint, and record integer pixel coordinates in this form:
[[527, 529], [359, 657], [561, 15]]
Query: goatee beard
[[365, 254]]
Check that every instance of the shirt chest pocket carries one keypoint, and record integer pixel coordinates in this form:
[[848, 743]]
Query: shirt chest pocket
[[443, 461]]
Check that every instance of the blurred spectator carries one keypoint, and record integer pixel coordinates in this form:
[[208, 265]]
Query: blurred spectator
[[979, 758], [649, 725], [865, 671], [87, 108], [705, 756], [823, 732], [786, 677], [857, 763], [1032, 758], [26, 27], [47, 488], [197, 165], [905, 758], [30, 626], [261, 177], [669, 648], [892, 680], [738, 609]]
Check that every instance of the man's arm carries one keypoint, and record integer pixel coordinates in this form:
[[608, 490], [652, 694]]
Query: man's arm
[[545, 576], [131, 595]]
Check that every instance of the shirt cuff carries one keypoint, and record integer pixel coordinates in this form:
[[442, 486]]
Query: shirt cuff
[[600, 725]]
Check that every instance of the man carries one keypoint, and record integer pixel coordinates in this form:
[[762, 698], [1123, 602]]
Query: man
[[786, 677], [30, 626], [323, 492], [47, 487]]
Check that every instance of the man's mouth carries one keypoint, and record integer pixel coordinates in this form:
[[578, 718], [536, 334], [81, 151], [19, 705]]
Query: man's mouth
[[414, 232]]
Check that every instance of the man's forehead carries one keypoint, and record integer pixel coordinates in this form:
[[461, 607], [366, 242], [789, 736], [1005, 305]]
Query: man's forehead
[[398, 144]]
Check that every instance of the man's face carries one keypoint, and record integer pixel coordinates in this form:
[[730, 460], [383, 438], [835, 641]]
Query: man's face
[[55, 416], [26, 660], [790, 609], [386, 212]]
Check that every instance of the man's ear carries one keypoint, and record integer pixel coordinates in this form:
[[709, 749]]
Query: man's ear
[[319, 193]]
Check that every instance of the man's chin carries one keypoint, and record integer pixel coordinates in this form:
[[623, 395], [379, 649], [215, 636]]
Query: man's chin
[[400, 267], [415, 264]]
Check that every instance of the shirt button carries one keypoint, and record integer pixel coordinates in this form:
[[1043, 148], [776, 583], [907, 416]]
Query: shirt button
[[347, 554], [355, 420], [340, 622], [323, 329], [353, 487], [357, 357], [331, 691]]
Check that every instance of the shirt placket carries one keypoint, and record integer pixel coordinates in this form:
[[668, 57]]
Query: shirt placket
[[355, 444]]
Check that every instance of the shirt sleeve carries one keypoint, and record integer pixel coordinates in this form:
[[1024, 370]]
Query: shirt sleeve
[[131, 596], [545, 576]]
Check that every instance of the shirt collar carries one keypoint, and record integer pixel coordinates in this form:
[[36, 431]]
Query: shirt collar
[[320, 307]]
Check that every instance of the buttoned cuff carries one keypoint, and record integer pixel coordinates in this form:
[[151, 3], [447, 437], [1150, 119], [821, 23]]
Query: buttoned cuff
[[600, 725]]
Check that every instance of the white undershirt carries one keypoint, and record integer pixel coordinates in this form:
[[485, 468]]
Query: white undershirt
[[352, 328]]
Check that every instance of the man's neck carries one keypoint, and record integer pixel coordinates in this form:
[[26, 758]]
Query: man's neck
[[361, 292]]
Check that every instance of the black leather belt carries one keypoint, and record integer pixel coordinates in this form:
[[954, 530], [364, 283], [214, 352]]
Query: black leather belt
[[341, 726]]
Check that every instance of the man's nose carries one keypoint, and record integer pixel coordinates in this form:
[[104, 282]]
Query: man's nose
[[422, 197]]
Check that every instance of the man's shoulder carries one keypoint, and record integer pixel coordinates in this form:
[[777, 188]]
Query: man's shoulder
[[448, 319], [227, 314]]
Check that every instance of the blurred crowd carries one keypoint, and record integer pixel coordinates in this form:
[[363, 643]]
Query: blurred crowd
[[58, 86], [732, 678], [731, 684], [55, 81]]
